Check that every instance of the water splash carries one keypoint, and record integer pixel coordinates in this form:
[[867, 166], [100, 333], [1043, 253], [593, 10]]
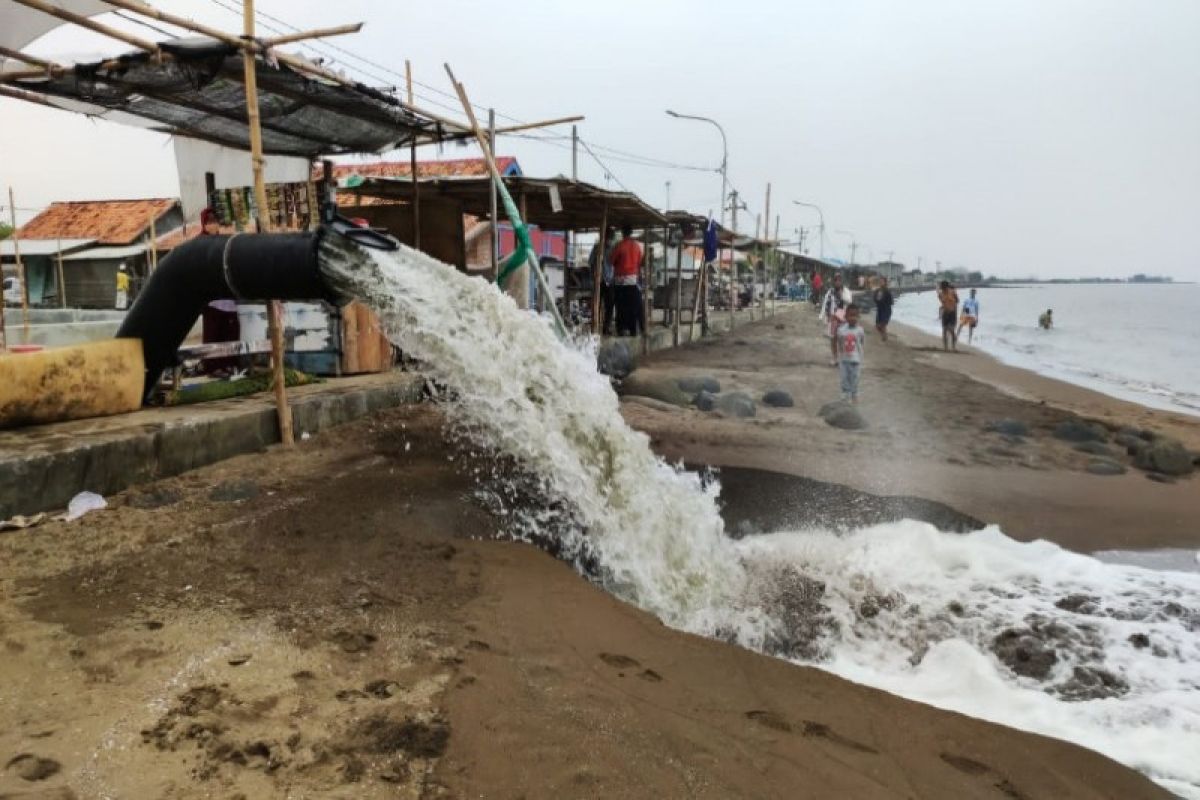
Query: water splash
[[1028, 635]]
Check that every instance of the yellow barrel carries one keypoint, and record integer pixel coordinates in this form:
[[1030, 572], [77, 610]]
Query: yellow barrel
[[86, 380]]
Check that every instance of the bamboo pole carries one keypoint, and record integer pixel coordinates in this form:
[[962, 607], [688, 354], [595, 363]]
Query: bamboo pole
[[532, 261], [775, 267], [274, 308], [547, 123], [494, 204], [62, 280], [678, 289], [25, 58], [318, 33], [412, 162], [701, 293], [766, 218], [90, 24], [597, 272], [12, 215]]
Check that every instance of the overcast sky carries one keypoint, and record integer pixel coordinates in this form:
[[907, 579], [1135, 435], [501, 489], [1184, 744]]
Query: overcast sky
[[1047, 137]]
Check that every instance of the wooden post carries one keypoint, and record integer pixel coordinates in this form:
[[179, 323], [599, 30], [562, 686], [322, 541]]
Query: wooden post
[[766, 217], [495, 202], [775, 267], [62, 281], [701, 298], [274, 307], [412, 161], [678, 290], [648, 292], [12, 215], [153, 246], [518, 282], [597, 273]]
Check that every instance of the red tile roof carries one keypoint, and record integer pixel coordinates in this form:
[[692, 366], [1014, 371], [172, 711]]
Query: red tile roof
[[448, 168], [106, 221]]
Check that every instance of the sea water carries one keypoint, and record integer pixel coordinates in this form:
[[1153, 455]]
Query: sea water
[[1138, 342], [903, 606]]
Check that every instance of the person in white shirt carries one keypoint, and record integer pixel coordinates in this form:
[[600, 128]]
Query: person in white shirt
[[833, 312]]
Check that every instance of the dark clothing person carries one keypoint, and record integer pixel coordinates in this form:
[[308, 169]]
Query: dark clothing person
[[630, 312], [883, 306]]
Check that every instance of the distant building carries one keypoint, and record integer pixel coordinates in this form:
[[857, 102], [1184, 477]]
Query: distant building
[[892, 270], [93, 239]]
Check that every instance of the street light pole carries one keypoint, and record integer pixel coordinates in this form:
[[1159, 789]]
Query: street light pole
[[821, 215], [724, 154], [853, 244]]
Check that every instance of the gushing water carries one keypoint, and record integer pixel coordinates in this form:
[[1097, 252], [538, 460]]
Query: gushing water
[[1028, 635]]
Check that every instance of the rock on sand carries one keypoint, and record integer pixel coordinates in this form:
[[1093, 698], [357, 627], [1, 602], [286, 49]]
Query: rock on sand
[[738, 404], [1164, 455], [699, 383], [659, 387], [1078, 430], [778, 398], [842, 415]]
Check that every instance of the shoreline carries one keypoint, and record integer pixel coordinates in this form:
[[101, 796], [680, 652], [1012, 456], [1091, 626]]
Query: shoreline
[[1109, 389], [1032, 386], [928, 434]]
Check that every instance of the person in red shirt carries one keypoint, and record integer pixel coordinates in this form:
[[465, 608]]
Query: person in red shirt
[[627, 264]]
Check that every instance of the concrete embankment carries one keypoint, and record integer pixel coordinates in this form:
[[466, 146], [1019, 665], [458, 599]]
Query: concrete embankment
[[42, 467]]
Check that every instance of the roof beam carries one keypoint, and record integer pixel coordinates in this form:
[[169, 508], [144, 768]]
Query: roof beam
[[85, 22], [319, 33]]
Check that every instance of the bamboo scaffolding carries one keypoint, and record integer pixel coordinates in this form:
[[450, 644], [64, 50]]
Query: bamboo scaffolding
[[319, 33], [274, 308]]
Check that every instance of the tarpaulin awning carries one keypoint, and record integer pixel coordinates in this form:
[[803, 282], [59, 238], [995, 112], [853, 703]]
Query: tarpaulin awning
[[196, 90], [580, 206]]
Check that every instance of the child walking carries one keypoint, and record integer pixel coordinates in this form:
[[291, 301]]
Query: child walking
[[850, 340]]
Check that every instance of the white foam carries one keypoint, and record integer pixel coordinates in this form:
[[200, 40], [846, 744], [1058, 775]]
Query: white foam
[[655, 537]]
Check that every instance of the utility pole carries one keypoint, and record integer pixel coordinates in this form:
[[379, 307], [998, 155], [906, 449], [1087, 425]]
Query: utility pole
[[766, 235], [668, 208], [574, 153], [733, 201], [853, 249]]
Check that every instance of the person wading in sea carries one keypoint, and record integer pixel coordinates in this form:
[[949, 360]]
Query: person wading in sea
[[1046, 321], [970, 317], [883, 308], [948, 305], [833, 312]]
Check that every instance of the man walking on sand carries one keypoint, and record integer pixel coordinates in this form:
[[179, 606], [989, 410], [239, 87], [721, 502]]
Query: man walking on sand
[[833, 312], [948, 305], [970, 317]]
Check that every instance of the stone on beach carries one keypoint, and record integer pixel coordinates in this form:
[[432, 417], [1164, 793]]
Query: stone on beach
[[1008, 427], [705, 401], [738, 404], [615, 359], [659, 387], [1101, 466], [1094, 448], [1166, 456], [778, 398], [843, 415], [1078, 430], [697, 383]]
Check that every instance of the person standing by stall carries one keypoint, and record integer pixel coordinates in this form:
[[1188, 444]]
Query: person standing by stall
[[627, 264]]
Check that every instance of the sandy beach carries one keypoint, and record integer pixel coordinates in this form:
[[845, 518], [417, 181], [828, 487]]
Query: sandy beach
[[237, 632], [928, 415]]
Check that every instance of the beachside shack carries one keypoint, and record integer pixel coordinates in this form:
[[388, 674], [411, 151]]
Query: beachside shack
[[85, 243]]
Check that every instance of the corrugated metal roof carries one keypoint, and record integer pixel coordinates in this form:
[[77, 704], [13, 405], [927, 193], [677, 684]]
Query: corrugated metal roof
[[98, 253], [42, 247], [106, 221]]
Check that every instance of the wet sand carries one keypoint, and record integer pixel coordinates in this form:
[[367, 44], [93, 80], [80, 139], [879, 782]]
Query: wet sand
[[338, 622], [927, 413]]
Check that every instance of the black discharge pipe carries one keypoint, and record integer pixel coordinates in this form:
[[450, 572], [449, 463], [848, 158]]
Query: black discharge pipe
[[246, 267]]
